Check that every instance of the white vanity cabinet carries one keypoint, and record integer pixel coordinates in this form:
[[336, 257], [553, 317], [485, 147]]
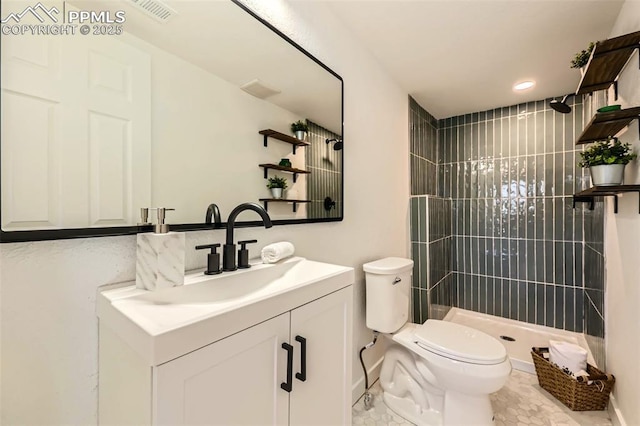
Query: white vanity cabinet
[[240, 379]]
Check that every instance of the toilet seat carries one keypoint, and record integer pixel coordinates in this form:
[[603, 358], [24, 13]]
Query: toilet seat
[[458, 342]]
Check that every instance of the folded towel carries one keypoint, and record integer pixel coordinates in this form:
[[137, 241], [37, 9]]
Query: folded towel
[[568, 355], [277, 251]]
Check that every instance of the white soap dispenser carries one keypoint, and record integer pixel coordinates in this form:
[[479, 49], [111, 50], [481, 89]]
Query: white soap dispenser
[[160, 256]]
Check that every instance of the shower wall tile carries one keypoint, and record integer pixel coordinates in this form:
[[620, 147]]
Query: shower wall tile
[[424, 151], [325, 178], [517, 243]]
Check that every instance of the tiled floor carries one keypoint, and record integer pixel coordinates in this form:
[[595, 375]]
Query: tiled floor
[[520, 402]]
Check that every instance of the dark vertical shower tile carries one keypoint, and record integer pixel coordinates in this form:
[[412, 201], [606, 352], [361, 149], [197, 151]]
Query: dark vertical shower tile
[[506, 258], [475, 290], [539, 132], [540, 259], [559, 175], [531, 260], [549, 262], [490, 257], [558, 219], [415, 256], [467, 254], [422, 219], [539, 218], [490, 138], [568, 264], [558, 263], [497, 135], [482, 258], [569, 309], [482, 294], [497, 297], [579, 315], [540, 303], [424, 306], [559, 311], [522, 301], [497, 257], [425, 267], [417, 315], [468, 292], [549, 165], [549, 306], [414, 218], [531, 303], [522, 259], [549, 208], [482, 139], [549, 131]]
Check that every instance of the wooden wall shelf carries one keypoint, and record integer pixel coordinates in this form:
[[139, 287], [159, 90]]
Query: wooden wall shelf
[[588, 195], [606, 62], [269, 133], [293, 170], [266, 202], [606, 124]]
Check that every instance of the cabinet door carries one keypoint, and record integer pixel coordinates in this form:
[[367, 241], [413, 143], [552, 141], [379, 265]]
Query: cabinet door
[[324, 398], [235, 381]]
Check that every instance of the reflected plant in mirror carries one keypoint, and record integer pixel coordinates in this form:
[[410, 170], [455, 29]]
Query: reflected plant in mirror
[[166, 113]]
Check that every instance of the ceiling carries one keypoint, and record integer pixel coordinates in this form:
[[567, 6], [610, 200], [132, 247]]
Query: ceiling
[[455, 57]]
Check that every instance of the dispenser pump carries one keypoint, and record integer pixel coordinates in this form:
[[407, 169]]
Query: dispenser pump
[[161, 227]]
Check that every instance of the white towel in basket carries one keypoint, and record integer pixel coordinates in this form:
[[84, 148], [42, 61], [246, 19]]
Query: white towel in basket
[[568, 355]]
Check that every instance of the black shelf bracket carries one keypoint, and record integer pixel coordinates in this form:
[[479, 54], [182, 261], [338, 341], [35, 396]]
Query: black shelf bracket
[[295, 176], [584, 199], [615, 90], [265, 140]]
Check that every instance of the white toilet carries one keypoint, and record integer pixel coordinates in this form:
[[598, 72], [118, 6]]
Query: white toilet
[[437, 373]]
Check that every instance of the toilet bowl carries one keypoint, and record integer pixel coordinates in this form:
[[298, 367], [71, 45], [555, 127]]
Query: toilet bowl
[[436, 373]]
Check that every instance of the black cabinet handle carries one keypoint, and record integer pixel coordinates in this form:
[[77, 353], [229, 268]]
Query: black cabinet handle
[[289, 383], [302, 375]]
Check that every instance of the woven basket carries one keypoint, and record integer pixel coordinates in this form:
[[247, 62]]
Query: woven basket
[[578, 396]]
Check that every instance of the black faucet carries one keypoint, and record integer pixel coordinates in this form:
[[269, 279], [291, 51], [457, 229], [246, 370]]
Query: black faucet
[[213, 212], [229, 249]]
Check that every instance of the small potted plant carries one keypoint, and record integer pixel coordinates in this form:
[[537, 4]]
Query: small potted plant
[[581, 59], [277, 185], [300, 129], [606, 161]]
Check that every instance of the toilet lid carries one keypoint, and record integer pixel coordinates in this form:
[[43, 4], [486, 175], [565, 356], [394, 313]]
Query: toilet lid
[[459, 342]]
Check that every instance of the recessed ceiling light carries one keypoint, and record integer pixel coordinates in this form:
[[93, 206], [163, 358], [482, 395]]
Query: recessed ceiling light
[[524, 85]]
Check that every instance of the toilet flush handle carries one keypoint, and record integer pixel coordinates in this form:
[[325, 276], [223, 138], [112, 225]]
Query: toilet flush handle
[[397, 280]]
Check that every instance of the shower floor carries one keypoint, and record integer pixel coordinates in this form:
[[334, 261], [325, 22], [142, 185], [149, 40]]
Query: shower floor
[[526, 335]]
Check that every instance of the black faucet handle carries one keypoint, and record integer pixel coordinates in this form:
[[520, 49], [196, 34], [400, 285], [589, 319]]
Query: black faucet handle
[[243, 244], [213, 258], [243, 254], [213, 247]]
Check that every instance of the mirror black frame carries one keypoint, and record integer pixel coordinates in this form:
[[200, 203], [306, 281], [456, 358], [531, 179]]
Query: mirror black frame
[[70, 233]]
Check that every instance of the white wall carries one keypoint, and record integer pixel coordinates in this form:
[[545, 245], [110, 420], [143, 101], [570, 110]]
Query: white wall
[[47, 289], [622, 251]]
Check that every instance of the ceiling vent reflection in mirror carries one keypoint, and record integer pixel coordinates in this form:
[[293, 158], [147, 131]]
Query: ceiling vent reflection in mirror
[[259, 89], [155, 9]]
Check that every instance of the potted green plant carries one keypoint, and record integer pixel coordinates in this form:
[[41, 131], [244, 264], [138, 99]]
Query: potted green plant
[[277, 185], [606, 161], [582, 58], [300, 129]]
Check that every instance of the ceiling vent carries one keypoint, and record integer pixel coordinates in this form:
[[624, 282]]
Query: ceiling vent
[[155, 9], [259, 89]]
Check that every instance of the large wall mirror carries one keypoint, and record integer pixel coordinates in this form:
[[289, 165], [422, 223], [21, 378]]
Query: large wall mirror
[[162, 110]]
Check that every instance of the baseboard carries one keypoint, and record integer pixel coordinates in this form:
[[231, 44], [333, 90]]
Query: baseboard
[[357, 390], [616, 415]]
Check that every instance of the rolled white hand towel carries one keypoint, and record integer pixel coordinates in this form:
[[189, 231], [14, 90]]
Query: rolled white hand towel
[[277, 251], [568, 355]]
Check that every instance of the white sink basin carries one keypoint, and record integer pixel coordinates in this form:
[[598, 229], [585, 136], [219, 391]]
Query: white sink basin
[[163, 324]]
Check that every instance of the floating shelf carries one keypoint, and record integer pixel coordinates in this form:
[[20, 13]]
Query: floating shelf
[[606, 124], [607, 60], [293, 170], [266, 202], [588, 195], [268, 133]]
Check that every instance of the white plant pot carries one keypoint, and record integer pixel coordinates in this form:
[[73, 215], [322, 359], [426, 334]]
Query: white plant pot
[[607, 175], [301, 135], [276, 193]]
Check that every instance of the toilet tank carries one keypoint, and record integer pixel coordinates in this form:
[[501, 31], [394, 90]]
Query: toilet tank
[[388, 286]]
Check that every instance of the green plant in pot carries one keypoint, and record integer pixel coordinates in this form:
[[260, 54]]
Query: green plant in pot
[[606, 161], [582, 58], [277, 185], [300, 129]]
